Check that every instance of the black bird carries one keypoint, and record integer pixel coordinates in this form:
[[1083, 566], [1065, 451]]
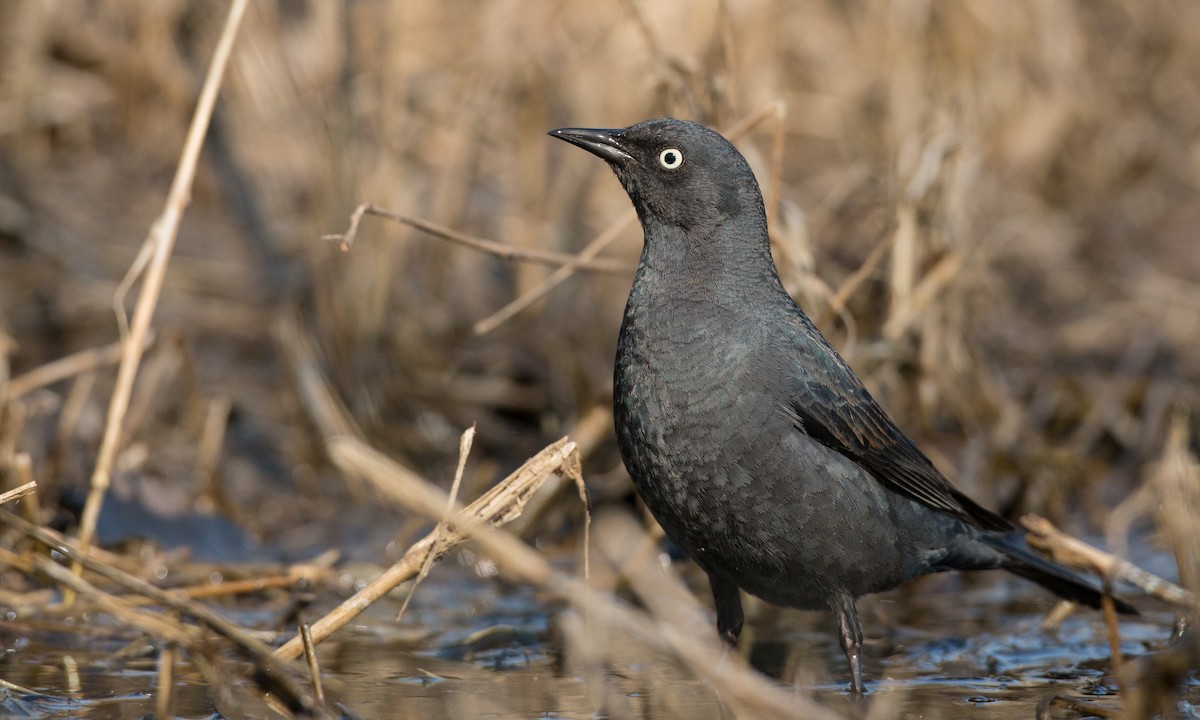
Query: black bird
[[749, 438]]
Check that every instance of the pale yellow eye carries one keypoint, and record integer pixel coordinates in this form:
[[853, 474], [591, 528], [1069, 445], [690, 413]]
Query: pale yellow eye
[[670, 158]]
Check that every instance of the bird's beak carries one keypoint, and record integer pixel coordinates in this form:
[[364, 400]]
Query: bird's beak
[[605, 144]]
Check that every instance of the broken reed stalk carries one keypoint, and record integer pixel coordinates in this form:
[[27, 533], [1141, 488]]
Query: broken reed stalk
[[491, 247], [18, 492], [728, 673], [502, 504], [464, 449], [22, 465], [15, 688], [162, 239]]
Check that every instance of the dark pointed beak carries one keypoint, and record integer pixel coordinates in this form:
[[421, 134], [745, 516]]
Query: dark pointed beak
[[605, 144]]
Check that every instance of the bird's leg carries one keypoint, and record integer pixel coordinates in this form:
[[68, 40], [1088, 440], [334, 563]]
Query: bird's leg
[[850, 634], [728, 600]]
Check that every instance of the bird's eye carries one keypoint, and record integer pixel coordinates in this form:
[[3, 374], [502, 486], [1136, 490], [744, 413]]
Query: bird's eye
[[670, 158]]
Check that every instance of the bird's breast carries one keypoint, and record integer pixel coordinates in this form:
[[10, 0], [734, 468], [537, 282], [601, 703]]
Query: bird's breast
[[688, 399]]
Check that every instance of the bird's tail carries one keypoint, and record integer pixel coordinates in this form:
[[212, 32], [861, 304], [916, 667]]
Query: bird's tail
[[1021, 560]]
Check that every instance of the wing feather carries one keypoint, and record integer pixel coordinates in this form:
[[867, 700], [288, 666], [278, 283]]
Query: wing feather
[[830, 404]]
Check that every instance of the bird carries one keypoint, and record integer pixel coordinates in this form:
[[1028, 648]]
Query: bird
[[746, 434]]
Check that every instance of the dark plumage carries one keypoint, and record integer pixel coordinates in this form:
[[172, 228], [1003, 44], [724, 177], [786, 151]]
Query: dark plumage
[[756, 447]]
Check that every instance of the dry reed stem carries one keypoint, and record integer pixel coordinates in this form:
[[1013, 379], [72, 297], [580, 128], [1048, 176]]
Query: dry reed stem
[[732, 676], [499, 249], [310, 659], [18, 492], [15, 688], [603, 240], [162, 237], [464, 449], [502, 504], [22, 465], [587, 433], [71, 671], [1109, 609], [74, 364], [21, 563], [1073, 552], [165, 700]]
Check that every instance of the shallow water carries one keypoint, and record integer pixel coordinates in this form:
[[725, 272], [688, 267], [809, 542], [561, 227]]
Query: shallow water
[[475, 647]]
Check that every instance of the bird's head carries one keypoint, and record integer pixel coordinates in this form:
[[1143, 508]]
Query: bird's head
[[679, 174]]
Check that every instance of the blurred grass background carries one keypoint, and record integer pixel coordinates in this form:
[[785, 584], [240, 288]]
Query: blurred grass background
[[992, 208]]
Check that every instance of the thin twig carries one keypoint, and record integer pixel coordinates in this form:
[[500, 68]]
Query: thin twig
[[162, 235], [558, 277], [464, 449], [499, 249]]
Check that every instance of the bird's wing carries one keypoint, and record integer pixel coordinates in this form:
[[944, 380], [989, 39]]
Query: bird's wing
[[830, 405]]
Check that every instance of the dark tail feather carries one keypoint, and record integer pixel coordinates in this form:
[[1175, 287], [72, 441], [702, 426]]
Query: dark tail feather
[[1021, 560]]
